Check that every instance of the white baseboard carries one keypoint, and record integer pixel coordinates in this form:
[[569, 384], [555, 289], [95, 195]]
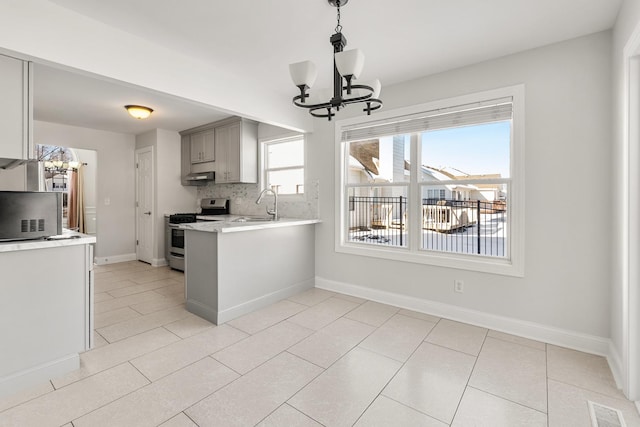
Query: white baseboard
[[113, 259], [159, 262], [536, 331], [38, 374], [263, 301]]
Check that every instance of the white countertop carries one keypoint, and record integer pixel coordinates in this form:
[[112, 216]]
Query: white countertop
[[67, 238], [233, 223]]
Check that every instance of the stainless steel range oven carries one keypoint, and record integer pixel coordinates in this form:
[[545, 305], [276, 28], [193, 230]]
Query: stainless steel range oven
[[175, 236]]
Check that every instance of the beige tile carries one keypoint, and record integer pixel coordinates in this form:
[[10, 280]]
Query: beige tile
[[257, 349], [101, 296], [418, 315], [143, 323], [321, 314], [581, 369], [149, 307], [385, 412], [149, 276], [432, 381], [111, 355], [112, 317], [478, 408], [136, 289], [285, 415], [266, 317], [180, 420], [25, 395], [98, 341], [512, 371], [458, 336], [399, 337], [332, 342], [67, 404], [102, 286], [175, 356], [518, 340], [350, 298], [344, 391], [189, 326], [372, 313], [161, 400], [251, 398], [116, 303], [568, 406], [173, 288], [312, 296]]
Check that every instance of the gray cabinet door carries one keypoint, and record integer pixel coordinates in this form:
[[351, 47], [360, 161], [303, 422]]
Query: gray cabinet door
[[14, 108]]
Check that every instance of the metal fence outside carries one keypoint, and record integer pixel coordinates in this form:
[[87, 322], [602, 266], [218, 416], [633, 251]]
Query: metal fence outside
[[458, 226]]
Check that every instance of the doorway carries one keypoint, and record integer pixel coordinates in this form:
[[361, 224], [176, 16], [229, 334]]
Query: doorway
[[145, 201]]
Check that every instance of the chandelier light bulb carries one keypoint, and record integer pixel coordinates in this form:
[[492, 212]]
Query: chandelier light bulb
[[347, 67]]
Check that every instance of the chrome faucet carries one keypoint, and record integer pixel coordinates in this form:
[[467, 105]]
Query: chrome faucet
[[273, 212]]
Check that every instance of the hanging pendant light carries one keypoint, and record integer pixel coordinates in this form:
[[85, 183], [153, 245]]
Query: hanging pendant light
[[347, 67]]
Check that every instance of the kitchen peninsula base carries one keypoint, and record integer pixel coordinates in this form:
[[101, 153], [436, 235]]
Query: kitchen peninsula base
[[229, 274]]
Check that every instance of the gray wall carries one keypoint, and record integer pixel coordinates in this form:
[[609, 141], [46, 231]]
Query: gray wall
[[115, 181], [568, 152]]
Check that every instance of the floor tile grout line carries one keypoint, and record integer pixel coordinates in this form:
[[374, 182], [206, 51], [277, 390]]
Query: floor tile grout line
[[475, 362], [507, 399], [621, 399]]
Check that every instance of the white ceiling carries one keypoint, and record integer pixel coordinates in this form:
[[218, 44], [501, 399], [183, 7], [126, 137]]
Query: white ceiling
[[402, 40]]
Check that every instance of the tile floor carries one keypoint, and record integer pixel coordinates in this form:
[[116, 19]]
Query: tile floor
[[316, 359]]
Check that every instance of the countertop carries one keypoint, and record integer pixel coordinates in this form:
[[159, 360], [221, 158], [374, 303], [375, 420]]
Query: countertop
[[67, 238], [234, 223]]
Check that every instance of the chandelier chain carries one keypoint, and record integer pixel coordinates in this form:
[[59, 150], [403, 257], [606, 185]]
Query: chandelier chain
[[338, 26]]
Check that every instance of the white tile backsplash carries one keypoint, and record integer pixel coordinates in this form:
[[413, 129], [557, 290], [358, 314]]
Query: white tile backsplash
[[243, 198]]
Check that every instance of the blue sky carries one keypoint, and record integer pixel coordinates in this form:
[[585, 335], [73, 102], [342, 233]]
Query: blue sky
[[479, 149]]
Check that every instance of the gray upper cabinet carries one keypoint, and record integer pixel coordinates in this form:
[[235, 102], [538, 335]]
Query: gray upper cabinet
[[228, 147], [237, 152], [203, 146], [15, 109]]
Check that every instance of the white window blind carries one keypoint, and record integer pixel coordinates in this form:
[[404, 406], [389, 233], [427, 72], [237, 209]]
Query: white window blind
[[463, 115]]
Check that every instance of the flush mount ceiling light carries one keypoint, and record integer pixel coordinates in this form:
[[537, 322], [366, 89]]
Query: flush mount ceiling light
[[347, 66], [138, 111]]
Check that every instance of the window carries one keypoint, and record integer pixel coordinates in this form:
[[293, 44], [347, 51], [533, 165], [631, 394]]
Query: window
[[439, 183], [284, 165]]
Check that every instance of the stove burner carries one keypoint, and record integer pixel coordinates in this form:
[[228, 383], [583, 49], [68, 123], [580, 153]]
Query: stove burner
[[182, 218]]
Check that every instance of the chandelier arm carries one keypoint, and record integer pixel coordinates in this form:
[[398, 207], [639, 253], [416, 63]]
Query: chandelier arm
[[309, 106]]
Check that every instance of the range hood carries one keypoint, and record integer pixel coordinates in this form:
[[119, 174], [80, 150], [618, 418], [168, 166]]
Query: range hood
[[201, 176]]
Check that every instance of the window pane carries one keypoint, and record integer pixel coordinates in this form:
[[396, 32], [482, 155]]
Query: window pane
[[285, 154], [465, 221], [470, 152], [290, 181], [377, 216], [379, 160]]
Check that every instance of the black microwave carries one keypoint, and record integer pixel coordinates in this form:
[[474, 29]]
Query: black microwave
[[30, 215]]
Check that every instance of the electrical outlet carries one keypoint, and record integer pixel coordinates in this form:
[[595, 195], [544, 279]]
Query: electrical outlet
[[458, 286]]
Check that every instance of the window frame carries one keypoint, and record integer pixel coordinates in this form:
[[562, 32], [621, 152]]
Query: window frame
[[511, 266], [264, 145]]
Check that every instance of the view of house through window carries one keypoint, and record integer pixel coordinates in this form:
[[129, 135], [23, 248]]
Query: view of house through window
[[284, 165], [457, 161]]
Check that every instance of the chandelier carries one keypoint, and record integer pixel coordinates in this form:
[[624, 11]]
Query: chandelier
[[347, 66]]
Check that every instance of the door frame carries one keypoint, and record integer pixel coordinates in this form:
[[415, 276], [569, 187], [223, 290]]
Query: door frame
[[631, 212], [139, 151]]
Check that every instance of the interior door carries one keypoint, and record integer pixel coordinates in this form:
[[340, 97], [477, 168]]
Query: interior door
[[144, 204]]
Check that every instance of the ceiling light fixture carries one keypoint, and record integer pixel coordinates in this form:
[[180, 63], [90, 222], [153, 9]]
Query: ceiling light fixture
[[347, 66], [138, 111]]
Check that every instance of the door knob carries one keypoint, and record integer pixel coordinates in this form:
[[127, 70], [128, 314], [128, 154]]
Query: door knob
[[148, 213]]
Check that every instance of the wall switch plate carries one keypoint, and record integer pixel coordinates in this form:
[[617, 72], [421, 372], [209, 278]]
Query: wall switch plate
[[458, 286]]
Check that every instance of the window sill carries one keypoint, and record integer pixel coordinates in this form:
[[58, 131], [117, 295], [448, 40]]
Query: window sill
[[457, 261]]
